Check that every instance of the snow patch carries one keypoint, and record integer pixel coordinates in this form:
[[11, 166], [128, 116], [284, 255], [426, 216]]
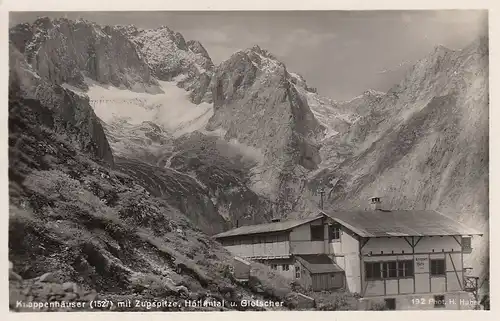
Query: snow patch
[[171, 109], [268, 65], [219, 132]]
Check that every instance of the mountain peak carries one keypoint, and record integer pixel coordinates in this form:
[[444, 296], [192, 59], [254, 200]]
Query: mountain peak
[[196, 47], [164, 27], [260, 51], [441, 49]]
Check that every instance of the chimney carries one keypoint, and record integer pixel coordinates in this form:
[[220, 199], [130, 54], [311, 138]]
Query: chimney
[[275, 214], [322, 193], [375, 203]]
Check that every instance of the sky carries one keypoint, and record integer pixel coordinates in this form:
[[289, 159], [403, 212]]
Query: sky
[[341, 53]]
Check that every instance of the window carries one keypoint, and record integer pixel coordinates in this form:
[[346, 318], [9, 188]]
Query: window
[[392, 269], [439, 301], [317, 233], [466, 244], [437, 267], [372, 270], [334, 232], [285, 267], [390, 304], [389, 269], [283, 238], [246, 241], [297, 272], [405, 268], [271, 238]]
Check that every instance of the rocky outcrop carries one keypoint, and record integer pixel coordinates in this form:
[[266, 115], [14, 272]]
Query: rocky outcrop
[[256, 103], [80, 231], [49, 293], [182, 191], [423, 145], [169, 56], [72, 114], [224, 171], [65, 51]]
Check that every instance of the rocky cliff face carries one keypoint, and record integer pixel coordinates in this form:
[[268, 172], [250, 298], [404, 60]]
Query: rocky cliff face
[[66, 51], [74, 116], [441, 106], [257, 104], [169, 56], [423, 145], [254, 135], [224, 170], [80, 231]]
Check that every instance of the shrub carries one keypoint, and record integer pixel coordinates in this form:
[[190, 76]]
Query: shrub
[[335, 301], [270, 283], [53, 184]]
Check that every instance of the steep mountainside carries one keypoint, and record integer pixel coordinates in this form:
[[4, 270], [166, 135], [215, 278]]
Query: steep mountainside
[[224, 170], [423, 145], [77, 224], [66, 51], [143, 126], [168, 56], [128, 146], [80, 230], [74, 114], [257, 104]]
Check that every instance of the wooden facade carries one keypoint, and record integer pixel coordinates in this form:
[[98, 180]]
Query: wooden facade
[[327, 281], [436, 265], [396, 269], [259, 246]]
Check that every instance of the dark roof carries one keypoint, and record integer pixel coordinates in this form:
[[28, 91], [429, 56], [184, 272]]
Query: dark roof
[[320, 263], [400, 223], [239, 259], [266, 228]]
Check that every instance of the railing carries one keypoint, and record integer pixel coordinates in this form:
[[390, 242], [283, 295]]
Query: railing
[[471, 283]]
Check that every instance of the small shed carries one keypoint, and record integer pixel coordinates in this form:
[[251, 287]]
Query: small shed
[[320, 272], [241, 269]]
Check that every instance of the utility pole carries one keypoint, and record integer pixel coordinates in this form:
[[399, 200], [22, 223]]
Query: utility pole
[[322, 193]]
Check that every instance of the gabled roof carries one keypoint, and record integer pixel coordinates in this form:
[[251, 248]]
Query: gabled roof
[[318, 263], [375, 223], [267, 228]]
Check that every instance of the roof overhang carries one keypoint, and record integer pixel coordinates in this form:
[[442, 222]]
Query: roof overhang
[[230, 233], [363, 233]]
